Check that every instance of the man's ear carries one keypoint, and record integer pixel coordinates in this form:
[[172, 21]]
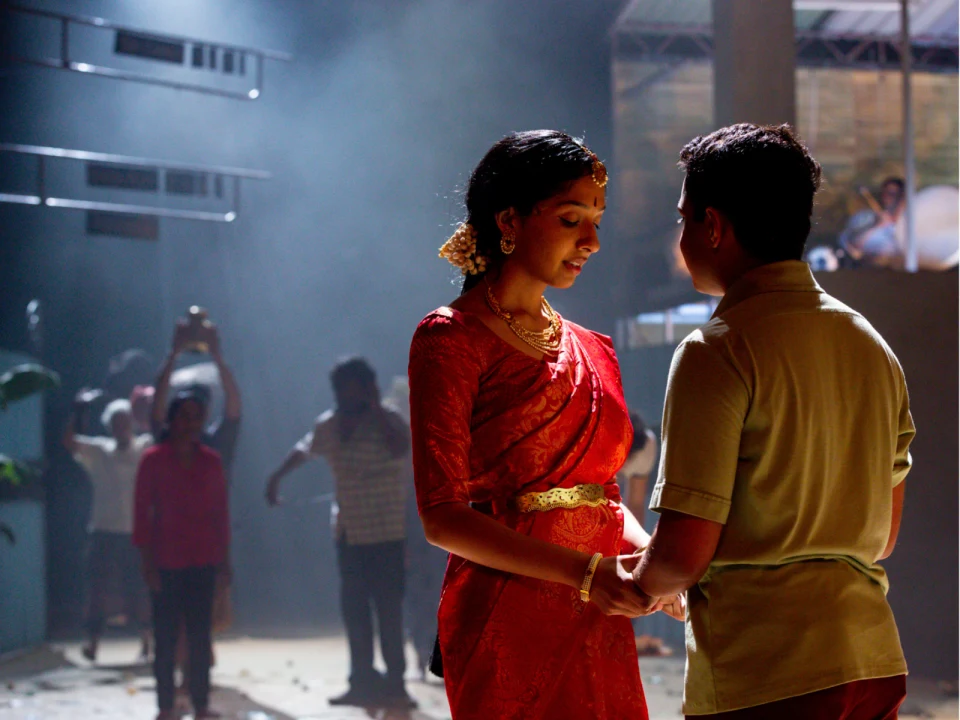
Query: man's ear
[[719, 228], [712, 223]]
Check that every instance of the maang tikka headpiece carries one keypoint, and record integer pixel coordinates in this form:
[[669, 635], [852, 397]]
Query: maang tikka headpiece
[[599, 169]]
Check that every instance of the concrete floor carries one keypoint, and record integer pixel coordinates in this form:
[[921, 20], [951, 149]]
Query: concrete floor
[[270, 679]]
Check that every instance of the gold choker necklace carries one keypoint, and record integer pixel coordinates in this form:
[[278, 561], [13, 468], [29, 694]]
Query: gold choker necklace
[[543, 341]]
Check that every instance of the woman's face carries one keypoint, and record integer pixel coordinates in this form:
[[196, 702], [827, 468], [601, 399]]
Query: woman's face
[[555, 241], [188, 421]]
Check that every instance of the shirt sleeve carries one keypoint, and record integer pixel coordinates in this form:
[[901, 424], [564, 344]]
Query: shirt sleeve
[[704, 411], [143, 504], [319, 441], [902, 462], [444, 378]]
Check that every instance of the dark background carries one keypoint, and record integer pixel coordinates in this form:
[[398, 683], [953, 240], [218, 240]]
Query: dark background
[[370, 134]]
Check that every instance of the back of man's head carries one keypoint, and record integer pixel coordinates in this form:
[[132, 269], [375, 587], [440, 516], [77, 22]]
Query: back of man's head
[[352, 369], [762, 179]]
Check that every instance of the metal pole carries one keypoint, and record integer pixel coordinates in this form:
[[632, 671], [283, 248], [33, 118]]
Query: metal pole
[[910, 262]]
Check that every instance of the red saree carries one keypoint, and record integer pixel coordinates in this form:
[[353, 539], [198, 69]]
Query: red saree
[[490, 423]]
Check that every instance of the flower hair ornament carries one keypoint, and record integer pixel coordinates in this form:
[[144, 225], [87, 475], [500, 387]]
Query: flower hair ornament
[[461, 251]]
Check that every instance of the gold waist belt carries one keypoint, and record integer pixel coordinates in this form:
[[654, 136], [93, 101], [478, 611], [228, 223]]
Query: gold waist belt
[[577, 496]]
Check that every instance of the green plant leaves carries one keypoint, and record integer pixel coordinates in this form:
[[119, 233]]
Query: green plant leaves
[[14, 472], [25, 380]]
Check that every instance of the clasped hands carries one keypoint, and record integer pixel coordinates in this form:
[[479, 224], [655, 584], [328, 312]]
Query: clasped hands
[[615, 592]]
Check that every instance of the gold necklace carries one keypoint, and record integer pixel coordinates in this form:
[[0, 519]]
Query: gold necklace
[[545, 341]]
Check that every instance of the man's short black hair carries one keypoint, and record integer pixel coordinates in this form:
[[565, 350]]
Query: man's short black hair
[[762, 179], [353, 368]]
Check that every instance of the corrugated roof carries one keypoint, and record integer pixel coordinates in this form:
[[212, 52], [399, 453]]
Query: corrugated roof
[[928, 18], [931, 19], [669, 12]]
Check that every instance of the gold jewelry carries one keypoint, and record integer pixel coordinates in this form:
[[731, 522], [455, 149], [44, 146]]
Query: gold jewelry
[[544, 341], [591, 495], [460, 250], [599, 172], [508, 242], [588, 577]]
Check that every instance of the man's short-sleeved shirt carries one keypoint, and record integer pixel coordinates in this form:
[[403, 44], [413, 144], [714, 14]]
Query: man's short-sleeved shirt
[[370, 485], [786, 419], [113, 474]]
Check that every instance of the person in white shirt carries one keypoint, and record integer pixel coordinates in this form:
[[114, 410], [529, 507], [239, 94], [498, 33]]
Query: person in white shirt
[[114, 566]]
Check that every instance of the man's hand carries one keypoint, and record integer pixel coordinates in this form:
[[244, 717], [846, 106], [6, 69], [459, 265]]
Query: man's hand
[[273, 491], [614, 591], [675, 607]]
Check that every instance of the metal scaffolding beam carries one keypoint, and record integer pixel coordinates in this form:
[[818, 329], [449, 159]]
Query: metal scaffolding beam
[[671, 43], [207, 48], [41, 197]]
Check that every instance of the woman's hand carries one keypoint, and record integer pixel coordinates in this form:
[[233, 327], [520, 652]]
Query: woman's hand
[[224, 578], [151, 576], [614, 591], [181, 337], [675, 607]]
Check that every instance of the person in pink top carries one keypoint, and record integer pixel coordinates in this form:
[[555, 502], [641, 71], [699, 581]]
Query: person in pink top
[[182, 527]]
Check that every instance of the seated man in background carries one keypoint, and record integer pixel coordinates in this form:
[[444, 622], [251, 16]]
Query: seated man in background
[[114, 568], [870, 236], [781, 483]]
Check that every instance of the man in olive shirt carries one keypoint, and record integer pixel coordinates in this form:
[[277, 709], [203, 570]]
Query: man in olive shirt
[[785, 443]]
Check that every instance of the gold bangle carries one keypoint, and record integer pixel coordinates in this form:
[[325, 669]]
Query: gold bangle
[[588, 577]]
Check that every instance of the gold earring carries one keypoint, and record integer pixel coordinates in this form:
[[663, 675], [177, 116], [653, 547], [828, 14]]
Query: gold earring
[[508, 242]]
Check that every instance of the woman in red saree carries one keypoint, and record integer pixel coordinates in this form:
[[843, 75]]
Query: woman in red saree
[[519, 427]]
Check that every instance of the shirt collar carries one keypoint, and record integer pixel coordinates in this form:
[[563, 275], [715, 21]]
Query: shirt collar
[[786, 276]]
